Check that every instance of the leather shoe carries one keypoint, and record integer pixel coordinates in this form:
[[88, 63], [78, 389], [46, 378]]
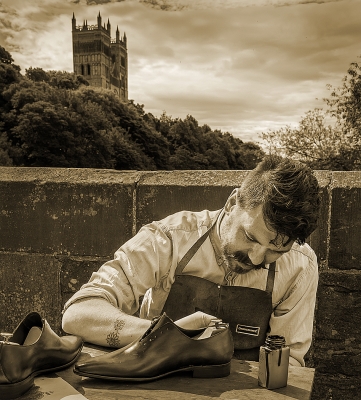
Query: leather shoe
[[165, 349], [34, 349]]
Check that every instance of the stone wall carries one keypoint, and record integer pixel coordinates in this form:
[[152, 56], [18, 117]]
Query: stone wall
[[59, 225]]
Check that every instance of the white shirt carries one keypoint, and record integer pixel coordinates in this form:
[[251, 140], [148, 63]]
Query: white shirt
[[144, 267]]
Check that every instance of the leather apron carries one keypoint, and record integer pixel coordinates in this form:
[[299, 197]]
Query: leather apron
[[246, 310]]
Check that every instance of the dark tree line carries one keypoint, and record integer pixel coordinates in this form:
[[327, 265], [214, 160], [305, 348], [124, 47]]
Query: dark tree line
[[55, 119]]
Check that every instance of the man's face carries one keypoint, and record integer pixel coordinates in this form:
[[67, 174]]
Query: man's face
[[246, 241]]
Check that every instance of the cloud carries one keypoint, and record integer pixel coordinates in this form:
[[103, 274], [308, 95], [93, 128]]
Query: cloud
[[242, 69], [181, 5]]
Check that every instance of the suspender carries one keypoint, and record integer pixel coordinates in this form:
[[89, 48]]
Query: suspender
[[193, 250]]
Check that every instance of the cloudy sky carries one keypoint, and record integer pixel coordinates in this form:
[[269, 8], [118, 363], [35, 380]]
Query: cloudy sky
[[242, 66]]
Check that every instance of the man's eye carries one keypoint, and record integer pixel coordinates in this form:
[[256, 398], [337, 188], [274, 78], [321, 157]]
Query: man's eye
[[249, 238]]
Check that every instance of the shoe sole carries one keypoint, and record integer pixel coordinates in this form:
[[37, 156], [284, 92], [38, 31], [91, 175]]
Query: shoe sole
[[10, 391], [202, 371]]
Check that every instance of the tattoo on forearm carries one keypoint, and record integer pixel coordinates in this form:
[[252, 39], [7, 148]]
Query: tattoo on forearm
[[113, 337]]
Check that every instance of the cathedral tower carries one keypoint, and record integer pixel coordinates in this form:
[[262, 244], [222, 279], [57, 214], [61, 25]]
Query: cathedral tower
[[101, 60]]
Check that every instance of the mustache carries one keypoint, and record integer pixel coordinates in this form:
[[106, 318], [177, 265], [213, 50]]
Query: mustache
[[244, 259]]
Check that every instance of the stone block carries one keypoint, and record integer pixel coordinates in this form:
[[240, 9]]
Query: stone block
[[75, 271], [163, 193], [28, 282], [65, 211], [319, 238], [337, 344], [335, 387], [345, 222]]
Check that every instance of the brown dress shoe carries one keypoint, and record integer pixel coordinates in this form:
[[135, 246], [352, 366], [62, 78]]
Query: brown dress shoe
[[34, 348], [165, 349]]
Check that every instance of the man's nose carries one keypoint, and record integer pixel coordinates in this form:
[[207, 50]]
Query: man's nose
[[257, 254]]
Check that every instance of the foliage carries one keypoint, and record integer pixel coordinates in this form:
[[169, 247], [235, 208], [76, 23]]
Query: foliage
[[9, 73], [345, 101], [55, 119], [36, 74], [5, 145], [6, 58], [334, 146], [58, 79]]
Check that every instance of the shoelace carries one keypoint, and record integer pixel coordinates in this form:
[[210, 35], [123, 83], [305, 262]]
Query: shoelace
[[152, 325]]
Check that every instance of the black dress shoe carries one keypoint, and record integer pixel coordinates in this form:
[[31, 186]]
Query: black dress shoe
[[165, 349], [33, 349]]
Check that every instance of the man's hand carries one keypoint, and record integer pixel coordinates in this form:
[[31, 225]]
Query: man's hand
[[197, 320]]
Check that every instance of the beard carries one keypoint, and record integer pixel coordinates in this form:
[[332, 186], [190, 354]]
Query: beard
[[239, 261]]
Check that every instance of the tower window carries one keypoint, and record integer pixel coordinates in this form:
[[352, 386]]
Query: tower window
[[82, 69], [88, 69]]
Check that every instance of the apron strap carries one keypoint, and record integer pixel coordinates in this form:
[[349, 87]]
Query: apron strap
[[193, 250], [271, 277]]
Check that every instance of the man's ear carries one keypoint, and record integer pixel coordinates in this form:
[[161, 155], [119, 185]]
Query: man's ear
[[231, 201]]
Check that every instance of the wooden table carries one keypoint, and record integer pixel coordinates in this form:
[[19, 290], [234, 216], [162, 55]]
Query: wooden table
[[242, 383]]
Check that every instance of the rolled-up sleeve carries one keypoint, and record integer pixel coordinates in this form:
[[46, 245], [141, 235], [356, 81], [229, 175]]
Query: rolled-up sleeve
[[293, 317], [137, 266]]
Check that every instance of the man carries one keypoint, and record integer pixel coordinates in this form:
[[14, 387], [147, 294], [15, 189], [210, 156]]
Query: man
[[247, 264]]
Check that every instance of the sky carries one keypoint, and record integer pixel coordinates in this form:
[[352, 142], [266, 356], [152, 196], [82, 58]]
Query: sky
[[241, 66]]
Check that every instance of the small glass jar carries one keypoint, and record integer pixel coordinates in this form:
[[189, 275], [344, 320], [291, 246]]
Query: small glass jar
[[273, 363]]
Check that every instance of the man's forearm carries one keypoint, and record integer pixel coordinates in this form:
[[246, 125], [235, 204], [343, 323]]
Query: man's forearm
[[98, 322]]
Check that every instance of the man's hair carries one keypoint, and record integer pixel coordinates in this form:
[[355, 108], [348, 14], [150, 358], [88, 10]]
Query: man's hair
[[289, 193]]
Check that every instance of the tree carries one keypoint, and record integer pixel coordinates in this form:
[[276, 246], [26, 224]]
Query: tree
[[345, 101], [54, 127], [6, 58], [345, 106], [5, 145], [251, 154], [51, 118], [9, 73], [335, 145], [313, 142], [36, 74], [41, 131], [185, 159], [57, 79], [127, 155], [66, 80]]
